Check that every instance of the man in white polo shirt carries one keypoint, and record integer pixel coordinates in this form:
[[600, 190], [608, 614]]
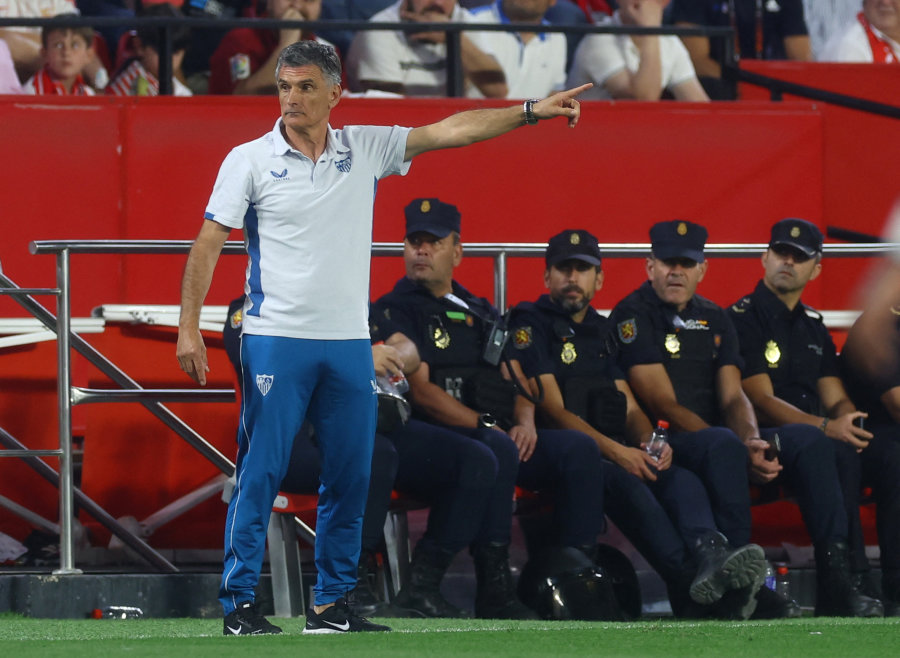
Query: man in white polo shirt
[[534, 63], [638, 67], [303, 194], [415, 63]]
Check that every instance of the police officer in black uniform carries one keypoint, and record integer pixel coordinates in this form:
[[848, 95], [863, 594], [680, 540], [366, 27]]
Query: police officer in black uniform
[[460, 340], [791, 377], [879, 393], [304, 468], [564, 343], [680, 354]]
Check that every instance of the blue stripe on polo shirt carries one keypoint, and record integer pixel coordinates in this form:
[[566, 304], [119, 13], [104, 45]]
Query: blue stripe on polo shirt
[[251, 229]]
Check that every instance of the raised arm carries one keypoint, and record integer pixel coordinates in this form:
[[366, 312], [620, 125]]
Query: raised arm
[[198, 271], [478, 125]]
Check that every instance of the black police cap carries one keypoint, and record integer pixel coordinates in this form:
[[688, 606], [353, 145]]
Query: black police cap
[[678, 239], [799, 234], [431, 216], [573, 244]]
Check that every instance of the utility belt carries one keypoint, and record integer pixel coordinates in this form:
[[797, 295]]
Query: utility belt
[[598, 402], [480, 388]]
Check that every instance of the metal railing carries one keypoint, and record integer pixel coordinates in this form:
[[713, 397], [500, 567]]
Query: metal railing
[[66, 341], [452, 30]]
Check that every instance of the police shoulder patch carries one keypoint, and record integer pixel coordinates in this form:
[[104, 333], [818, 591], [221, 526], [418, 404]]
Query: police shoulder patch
[[813, 313], [237, 318], [627, 330], [742, 305], [523, 338]]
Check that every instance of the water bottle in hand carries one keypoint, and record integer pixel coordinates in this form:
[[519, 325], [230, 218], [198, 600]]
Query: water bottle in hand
[[658, 440]]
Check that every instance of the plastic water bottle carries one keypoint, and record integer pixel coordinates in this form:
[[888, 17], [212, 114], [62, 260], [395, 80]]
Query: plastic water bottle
[[658, 440], [394, 384], [770, 576], [117, 612], [782, 580]]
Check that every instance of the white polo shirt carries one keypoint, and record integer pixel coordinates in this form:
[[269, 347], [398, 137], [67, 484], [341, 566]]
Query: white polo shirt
[[307, 227], [388, 56], [599, 56], [852, 45], [533, 70]]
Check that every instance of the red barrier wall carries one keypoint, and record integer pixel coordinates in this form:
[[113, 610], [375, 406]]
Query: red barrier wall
[[143, 168]]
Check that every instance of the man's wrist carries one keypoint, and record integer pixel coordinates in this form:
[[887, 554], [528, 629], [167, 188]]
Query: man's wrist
[[487, 421], [528, 109], [824, 423]]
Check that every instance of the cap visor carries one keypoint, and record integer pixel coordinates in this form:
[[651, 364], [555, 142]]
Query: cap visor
[[665, 253], [434, 229], [806, 249]]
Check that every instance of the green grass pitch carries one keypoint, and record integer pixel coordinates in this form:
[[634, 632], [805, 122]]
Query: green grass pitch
[[800, 638]]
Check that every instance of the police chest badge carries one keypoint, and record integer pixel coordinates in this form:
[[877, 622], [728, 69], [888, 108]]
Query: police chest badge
[[672, 344], [627, 330], [772, 353], [568, 354], [523, 338], [441, 338]]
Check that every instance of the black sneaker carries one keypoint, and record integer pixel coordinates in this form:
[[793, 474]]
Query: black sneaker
[[338, 619], [245, 620]]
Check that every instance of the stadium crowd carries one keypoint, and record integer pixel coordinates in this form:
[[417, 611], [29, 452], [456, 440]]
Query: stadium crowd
[[494, 64]]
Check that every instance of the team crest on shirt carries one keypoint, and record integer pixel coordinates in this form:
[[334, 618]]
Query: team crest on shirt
[[264, 383], [343, 166], [627, 330], [523, 338]]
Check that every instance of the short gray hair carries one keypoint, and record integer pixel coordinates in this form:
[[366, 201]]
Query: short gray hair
[[303, 53]]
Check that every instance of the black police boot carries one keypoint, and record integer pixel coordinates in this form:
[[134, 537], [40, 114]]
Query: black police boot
[[422, 596], [364, 600], [836, 594], [723, 568], [890, 586], [772, 605], [495, 596]]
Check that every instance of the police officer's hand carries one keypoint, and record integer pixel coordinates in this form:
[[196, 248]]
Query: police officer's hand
[[638, 463], [387, 360], [665, 459], [191, 353], [762, 470], [843, 429], [525, 437]]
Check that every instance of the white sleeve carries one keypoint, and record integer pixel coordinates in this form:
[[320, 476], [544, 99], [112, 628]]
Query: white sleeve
[[373, 56], [232, 192], [682, 68], [598, 57], [384, 147]]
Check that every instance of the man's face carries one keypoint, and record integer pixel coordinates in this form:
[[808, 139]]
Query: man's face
[[306, 97], [309, 10], [788, 269], [675, 279], [573, 283], [67, 54], [429, 259], [883, 14], [444, 7]]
